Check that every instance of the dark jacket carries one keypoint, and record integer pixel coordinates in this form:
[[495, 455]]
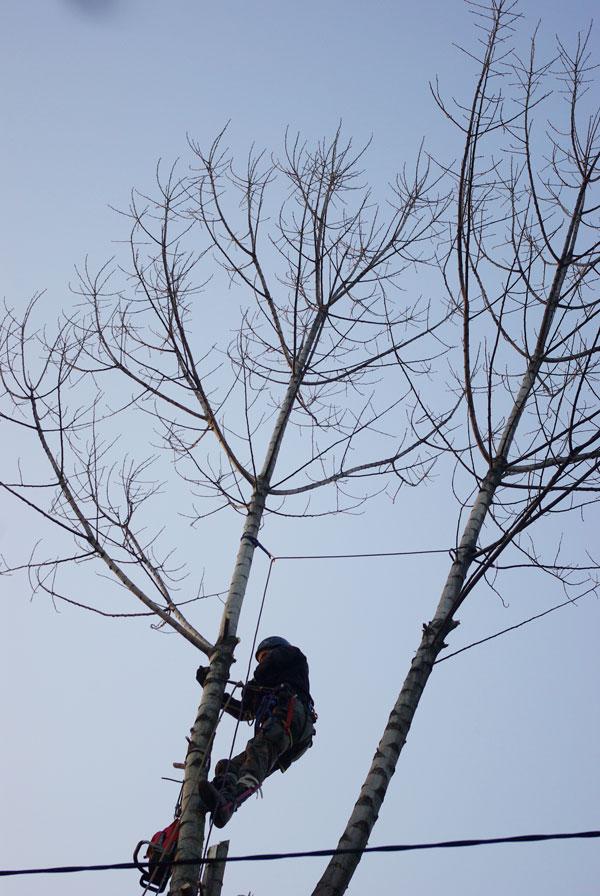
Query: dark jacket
[[280, 666]]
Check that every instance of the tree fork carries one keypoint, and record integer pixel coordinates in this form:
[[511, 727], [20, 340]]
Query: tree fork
[[191, 838]]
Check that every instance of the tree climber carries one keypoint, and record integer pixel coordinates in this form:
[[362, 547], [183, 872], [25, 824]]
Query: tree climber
[[278, 699]]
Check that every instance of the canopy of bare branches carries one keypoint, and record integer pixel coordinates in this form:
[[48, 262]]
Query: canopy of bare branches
[[264, 330]]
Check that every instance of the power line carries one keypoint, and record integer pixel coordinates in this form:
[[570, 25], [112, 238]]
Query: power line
[[318, 853]]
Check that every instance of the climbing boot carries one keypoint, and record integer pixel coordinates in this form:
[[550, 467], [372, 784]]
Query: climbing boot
[[220, 803], [223, 803], [222, 786], [246, 786]]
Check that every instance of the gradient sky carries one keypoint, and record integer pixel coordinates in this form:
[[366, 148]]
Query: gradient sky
[[95, 710]]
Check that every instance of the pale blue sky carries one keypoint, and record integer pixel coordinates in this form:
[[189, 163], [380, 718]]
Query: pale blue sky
[[506, 740]]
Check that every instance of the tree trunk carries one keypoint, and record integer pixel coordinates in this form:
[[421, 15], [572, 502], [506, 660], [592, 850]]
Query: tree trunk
[[340, 869], [185, 878], [339, 872], [191, 837]]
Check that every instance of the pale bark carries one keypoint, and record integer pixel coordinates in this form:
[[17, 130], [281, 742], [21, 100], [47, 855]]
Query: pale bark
[[338, 873], [184, 881], [212, 879], [332, 259], [340, 869]]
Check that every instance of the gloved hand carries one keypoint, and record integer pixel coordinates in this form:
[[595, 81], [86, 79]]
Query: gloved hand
[[201, 674]]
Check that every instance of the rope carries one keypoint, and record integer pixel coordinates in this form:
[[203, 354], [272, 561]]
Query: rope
[[448, 656], [260, 612], [361, 556], [503, 631], [365, 555], [357, 556]]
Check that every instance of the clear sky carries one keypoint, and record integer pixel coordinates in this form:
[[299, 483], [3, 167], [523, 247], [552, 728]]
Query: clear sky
[[95, 710]]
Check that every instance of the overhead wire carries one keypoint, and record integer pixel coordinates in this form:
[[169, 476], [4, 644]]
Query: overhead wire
[[527, 838], [364, 555], [349, 556], [319, 853]]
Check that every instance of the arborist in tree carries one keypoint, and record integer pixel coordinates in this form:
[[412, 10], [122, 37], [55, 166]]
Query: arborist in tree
[[278, 699]]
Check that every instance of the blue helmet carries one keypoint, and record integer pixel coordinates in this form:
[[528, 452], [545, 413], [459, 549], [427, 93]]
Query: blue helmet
[[270, 643]]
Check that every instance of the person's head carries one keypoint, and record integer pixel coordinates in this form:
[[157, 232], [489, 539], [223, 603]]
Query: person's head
[[268, 644]]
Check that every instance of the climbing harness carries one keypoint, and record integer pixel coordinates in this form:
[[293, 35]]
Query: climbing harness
[[265, 710]]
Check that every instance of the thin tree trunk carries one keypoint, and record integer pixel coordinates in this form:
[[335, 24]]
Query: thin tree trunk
[[337, 875], [191, 837], [185, 878]]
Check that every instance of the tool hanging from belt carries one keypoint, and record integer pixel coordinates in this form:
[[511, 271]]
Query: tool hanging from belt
[[160, 855]]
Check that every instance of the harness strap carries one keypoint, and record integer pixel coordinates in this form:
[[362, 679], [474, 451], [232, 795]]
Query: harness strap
[[290, 715]]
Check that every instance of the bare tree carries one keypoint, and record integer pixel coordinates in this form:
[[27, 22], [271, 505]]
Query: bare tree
[[525, 249], [318, 273]]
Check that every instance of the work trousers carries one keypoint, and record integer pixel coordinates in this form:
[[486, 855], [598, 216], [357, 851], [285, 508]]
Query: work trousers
[[275, 744]]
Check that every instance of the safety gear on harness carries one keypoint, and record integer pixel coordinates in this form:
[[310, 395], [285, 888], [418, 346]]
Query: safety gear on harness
[[277, 698]]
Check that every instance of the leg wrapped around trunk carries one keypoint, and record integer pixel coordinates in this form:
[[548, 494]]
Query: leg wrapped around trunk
[[284, 736]]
